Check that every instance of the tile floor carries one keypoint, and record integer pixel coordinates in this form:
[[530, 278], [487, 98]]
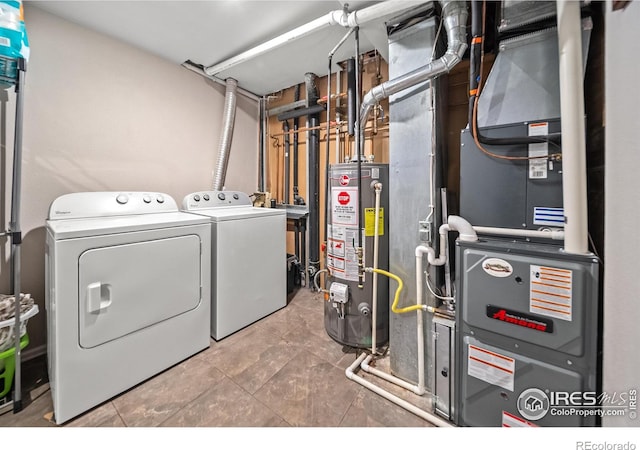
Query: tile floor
[[282, 371]]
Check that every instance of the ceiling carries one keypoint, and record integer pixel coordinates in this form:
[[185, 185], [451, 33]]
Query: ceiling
[[208, 32]]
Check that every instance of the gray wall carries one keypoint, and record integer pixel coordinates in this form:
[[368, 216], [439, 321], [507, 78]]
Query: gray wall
[[622, 206], [101, 115]]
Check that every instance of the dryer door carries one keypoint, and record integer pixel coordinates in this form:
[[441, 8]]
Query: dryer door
[[124, 288]]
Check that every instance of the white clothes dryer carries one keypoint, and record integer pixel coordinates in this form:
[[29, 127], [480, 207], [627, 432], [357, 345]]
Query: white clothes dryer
[[248, 258], [127, 293]]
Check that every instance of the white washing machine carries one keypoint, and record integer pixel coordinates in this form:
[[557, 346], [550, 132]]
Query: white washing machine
[[127, 293], [248, 258]]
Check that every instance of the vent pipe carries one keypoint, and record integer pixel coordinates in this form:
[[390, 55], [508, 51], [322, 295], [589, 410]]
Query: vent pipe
[[454, 16], [574, 167], [227, 134]]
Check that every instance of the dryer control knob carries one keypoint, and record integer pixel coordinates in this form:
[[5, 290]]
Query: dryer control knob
[[206, 197], [122, 199], [160, 199], [236, 196], [221, 196], [196, 197], [146, 198]]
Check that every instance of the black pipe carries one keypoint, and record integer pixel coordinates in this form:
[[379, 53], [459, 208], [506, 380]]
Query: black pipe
[[297, 200], [261, 162], [352, 112], [287, 164], [314, 109], [313, 147]]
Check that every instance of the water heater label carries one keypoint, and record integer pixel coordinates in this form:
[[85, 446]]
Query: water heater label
[[551, 291], [344, 203], [491, 367], [342, 258], [370, 222]]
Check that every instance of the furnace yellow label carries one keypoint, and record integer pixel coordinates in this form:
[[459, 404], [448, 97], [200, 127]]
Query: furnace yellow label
[[370, 222]]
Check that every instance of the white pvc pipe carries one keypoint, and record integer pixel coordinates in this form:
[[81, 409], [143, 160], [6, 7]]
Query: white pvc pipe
[[551, 234], [431, 418], [574, 165], [337, 17], [385, 376], [374, 296]]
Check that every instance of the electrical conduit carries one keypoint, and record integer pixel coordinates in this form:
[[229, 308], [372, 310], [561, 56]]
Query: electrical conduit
[[227, 134]]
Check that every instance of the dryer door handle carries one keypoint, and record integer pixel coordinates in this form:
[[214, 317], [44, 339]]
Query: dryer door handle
[[98, 297]]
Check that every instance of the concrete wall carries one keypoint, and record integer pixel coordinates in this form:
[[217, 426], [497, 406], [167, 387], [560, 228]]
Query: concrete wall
[[622, 207], [101, 115]]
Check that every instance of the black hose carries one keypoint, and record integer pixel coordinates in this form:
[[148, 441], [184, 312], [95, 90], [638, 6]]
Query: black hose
[[475, 54]]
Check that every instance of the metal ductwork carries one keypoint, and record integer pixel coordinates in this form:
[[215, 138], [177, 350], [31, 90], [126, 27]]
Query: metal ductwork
[[227, 134], [454, 16]]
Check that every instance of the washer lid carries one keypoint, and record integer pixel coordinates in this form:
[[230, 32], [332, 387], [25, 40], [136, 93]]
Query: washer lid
[[96, 226], [239, 212]]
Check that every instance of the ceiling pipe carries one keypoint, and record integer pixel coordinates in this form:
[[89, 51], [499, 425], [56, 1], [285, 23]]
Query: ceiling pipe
[[455, 20], [332, 18], [574, 167]]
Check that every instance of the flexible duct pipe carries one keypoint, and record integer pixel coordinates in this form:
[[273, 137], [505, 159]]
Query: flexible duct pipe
[[227, 134], [574, 165], [337, 17], [455, 21]]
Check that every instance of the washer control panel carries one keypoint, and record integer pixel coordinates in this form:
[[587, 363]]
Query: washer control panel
[[104, 204], [215, 199]]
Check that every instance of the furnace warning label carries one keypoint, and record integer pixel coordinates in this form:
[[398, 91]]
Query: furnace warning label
[[344, 205], [511, 421], [491, 367], [370, 222], [550, 292]]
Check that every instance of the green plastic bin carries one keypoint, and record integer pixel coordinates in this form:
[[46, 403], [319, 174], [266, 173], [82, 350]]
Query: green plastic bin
[[8, 366]]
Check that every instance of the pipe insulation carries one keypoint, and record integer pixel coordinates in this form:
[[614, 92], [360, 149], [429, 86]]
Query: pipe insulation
[[228, 119], [337, 17], [574, 160], [455, 20]]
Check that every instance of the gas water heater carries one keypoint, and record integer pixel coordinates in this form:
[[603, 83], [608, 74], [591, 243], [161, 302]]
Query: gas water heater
[[348, 309]]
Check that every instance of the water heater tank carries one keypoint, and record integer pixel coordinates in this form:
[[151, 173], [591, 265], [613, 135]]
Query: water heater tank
[[348, 310]]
